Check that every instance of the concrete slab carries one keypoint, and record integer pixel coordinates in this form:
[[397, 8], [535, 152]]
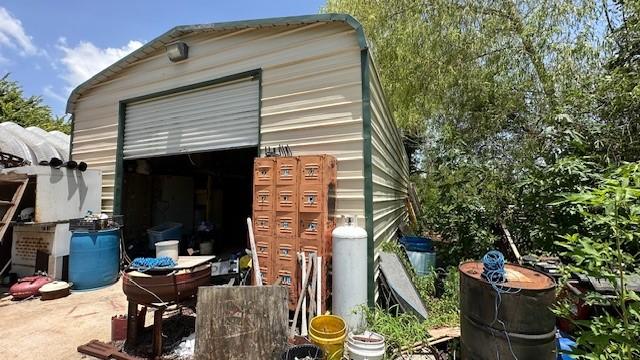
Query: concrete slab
[[36, 329]]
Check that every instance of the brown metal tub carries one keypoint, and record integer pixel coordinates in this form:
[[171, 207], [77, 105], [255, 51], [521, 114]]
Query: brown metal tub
[[171, 287]]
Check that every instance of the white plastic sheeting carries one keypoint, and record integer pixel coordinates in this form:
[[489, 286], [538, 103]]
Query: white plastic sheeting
[[12, 145], [33, 144], [59, 140]]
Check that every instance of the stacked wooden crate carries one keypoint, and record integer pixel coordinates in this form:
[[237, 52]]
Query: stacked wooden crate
[[293, 209]]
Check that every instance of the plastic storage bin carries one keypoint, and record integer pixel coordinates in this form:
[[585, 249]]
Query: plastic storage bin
[[420, 252], [163, 232]]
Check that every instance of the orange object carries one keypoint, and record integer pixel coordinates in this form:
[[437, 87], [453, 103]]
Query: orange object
[[312, 198], [312, 226], [266, 272], [263, 171], [265, 252], [263, 223], [293, 209], [287, 169], [118, 327], [318, 170], [286, 198], [286, 224], [286, 253], [263, 197], [289, 278]]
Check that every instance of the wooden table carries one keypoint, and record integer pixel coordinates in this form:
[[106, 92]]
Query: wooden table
[[135, 320]]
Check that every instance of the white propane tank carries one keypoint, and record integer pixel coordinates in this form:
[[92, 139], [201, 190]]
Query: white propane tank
[[349, 269]]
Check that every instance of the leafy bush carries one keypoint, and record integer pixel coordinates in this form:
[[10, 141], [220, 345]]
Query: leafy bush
[[605, 248]]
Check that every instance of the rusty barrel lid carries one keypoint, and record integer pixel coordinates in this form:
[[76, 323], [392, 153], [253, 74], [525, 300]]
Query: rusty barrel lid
[[518, 277]]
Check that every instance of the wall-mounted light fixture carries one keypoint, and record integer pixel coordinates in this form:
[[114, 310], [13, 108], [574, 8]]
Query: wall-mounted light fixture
[[177, 51]]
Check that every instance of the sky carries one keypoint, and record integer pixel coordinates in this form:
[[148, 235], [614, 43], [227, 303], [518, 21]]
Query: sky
[[50, 47]]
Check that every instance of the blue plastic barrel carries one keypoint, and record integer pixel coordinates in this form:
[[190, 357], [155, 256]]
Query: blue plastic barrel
[[417, 243], [420, 252], [94, 258]]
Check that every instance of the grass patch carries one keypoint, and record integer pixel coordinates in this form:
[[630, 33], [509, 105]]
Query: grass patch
[[406, 329], [399, 331]]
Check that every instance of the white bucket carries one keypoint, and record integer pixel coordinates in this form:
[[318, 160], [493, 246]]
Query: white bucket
[[167, 248], [367, 346]]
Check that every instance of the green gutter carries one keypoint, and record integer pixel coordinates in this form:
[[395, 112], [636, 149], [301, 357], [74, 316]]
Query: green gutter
[[118, 183], [368, 176]]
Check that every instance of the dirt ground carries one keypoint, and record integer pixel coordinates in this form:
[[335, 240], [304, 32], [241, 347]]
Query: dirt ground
[[36, 329]]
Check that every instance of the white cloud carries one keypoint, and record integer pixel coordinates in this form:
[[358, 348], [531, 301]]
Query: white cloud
[[13, 35], [84, 60], [50, 93]]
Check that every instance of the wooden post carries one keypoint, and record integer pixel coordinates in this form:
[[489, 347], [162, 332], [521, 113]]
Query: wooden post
[[142, 316], [305, 282], [241, 322], [132, 324], [319, 286], [157, 332], [514, 248], [303, 293], [257, 277]]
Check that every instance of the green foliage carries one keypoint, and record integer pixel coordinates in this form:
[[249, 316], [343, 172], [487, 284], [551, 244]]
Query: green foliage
[[605, 247], [27, 111], [618, 90], [443, 310], [499, 92], [399, 330]]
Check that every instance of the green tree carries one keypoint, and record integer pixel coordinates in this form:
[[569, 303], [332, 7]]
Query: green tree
[[499, 91], [618, 91], [27, 111]]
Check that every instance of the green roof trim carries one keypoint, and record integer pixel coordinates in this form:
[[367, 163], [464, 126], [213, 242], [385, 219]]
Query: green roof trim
[[179, 31], [367, 154]]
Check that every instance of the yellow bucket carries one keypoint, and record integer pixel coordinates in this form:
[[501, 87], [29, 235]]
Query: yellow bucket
[[329, 333]]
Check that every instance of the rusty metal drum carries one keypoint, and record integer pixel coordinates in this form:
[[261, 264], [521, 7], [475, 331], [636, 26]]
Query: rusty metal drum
[[518, 321]]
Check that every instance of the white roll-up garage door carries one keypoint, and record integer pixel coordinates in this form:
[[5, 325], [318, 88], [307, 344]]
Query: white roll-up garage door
[[218, 117]]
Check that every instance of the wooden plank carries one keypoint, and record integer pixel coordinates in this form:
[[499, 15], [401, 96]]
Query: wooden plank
[[410, 210], [415, 200], [188, 262], [255, 266], [305, 282], [241, 322], [17, 196], [507, 234]]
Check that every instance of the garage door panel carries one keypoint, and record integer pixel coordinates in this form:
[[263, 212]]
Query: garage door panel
[[212, 118]]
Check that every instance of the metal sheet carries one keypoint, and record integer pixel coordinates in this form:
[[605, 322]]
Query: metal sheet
[[219, 117], [398, 280], [390, 166], [310, 96]]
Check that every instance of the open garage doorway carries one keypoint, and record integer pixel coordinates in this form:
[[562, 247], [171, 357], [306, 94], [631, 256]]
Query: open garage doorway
[[209, 194]]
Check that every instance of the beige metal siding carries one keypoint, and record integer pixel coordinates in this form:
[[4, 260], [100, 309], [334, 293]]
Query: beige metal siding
[[390, 166], [311, 96], [224, 116]]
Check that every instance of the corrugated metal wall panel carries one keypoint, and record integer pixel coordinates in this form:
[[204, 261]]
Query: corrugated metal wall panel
[[224, 116], [390, 166], [311, 97]]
